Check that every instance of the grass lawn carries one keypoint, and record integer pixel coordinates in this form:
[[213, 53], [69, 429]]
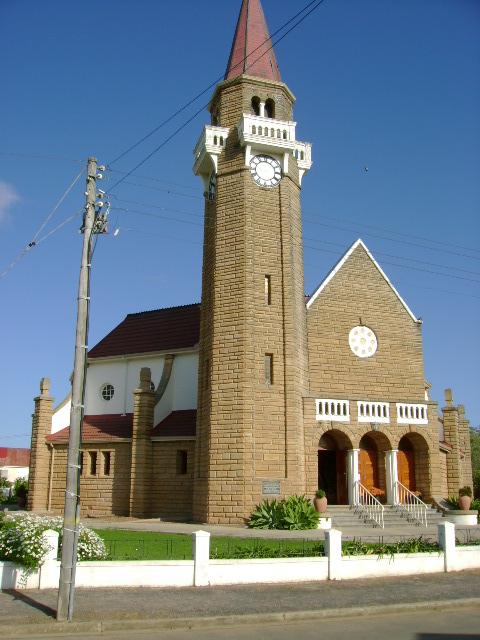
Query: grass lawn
[[149, 545]]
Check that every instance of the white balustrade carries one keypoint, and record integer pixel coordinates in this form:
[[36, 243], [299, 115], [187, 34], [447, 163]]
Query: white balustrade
[[210, 145], [334, 410], [412, 413], [373, 411], [369, 507], [410, 504]]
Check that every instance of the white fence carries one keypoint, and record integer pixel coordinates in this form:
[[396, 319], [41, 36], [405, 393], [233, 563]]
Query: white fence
[[202, 571]]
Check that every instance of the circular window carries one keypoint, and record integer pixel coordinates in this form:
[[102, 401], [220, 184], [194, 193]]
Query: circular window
[[363, 342], [107, 391]]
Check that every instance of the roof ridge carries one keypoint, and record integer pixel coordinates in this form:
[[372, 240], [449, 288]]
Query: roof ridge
[[180, 306]]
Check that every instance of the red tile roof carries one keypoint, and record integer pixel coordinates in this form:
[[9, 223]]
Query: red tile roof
[[112, 427], [177, 423], [12, 457], [152, 331], [103, 428], [251, 53]]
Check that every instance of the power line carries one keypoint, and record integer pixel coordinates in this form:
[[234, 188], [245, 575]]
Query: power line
[[388, 255], [399, 233], [373, 235], [214, 83], [36, 240], [404, 266]]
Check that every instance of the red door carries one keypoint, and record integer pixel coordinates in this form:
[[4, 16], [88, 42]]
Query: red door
[[368, 468], [406, 469]]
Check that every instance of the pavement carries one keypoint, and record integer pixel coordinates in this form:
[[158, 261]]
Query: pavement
[[103, 611], [390, 534]]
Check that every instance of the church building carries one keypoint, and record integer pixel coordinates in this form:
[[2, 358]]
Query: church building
[[200, 412]]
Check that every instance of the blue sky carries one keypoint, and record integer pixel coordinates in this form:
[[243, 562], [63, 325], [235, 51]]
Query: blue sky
[[392, 86]]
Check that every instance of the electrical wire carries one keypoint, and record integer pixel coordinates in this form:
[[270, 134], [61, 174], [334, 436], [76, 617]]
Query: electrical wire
[[36, 239], [213, 84], [197, 113]]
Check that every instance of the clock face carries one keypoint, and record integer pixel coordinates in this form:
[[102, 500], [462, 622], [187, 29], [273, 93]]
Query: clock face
[[362, 341], [266, 171], [212, 187]]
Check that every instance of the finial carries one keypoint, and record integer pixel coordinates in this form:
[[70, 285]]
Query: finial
[[45, 386], [449, 397], [145, 378]]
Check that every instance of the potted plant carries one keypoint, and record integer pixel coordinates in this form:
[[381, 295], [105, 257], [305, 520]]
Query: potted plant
[[465, 498], [320, 501]]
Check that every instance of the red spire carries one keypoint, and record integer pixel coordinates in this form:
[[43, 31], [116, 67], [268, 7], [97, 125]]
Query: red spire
[[251, 53]]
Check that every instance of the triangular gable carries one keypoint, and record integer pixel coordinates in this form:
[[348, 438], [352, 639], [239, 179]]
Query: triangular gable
[[340, 264]]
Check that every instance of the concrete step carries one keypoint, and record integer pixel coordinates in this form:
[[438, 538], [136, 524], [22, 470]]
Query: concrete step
[[343, 516]]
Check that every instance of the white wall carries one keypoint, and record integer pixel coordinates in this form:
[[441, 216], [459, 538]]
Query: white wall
[[61, 415], [124, 375], [12, 473]]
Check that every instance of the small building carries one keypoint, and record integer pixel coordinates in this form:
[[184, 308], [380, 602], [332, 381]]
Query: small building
[[14, 463]]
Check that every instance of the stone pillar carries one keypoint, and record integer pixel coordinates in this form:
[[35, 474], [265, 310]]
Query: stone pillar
[[465, 444], [391, 467], [353, 474], [452, 437], [141, 467], [39, 472]]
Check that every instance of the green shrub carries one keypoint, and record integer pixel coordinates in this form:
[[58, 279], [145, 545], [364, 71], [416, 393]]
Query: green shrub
[[465, 491], [299, 513], [296, 512], [20, 488], [412, 545], [452, 502], [267, 515], [320, 493]]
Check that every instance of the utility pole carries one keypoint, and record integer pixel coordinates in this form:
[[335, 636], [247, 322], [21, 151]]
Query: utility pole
[[71, 522]]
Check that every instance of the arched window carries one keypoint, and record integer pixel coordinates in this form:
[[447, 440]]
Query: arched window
[[260, 131], [256, 105], [272, 132], [221, 141], [279, 133], [215, 140], [270, 108], [284, 135], [254, 129]]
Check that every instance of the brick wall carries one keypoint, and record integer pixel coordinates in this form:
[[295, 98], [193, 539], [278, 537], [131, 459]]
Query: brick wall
[[100, 494], [171, 494], [247, 431]]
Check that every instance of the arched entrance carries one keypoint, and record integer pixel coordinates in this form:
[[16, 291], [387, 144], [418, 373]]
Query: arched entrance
[[413, 462], [406, 464], [371, 462], [332, 466]]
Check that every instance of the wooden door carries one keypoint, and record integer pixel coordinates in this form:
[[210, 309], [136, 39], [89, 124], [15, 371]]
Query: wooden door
[[342, 477], [406, 469], [368, 468]]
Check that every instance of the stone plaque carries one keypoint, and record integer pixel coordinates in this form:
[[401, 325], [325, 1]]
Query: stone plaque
[[271, 487]]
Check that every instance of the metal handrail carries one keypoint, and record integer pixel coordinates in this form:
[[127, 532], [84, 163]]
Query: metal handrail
[[406, 501], [367, 504]]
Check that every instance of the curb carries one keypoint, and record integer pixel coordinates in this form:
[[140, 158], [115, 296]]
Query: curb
[[51, 629]]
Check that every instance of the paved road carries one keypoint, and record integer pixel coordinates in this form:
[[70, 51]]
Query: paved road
[[32, 612], [456, 624]]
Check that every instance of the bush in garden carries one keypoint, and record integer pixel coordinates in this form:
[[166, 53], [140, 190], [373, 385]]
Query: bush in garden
[[296, 512], [21, 540]]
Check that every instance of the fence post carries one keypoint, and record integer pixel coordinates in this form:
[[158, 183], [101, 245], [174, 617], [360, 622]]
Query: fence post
[[333, 550], [446, 540], [201, 558], [48, 574]]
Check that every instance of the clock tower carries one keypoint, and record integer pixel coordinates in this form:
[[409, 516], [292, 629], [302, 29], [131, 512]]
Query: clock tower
[[253, 369]]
